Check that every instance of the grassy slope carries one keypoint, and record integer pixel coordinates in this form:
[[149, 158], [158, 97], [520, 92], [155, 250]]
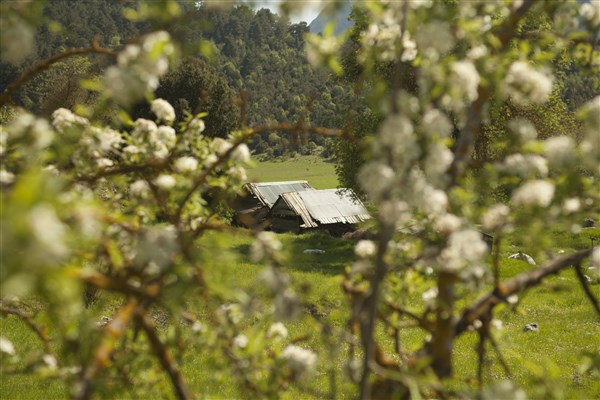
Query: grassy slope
[[567, 320], [315, 170]]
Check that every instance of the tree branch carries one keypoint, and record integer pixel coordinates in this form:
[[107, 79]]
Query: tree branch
[[165, 356], [586, 288], [28, 319], [484, 305], [45, 64], [101, 357]]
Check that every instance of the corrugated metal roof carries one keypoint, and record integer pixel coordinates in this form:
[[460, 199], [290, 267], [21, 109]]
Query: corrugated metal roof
[[328, 206], [295, 203], [268, 192]]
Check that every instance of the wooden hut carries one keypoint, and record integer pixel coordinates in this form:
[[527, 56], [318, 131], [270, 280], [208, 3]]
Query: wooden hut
[[252, 208], [334, 210]]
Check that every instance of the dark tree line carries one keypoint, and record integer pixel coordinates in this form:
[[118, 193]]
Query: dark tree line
[[258, 56]]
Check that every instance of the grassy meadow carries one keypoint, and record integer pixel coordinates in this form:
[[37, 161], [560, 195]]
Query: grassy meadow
[[317, 171], [554, 355]]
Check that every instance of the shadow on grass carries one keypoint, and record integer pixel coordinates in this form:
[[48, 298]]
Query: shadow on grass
[[338, 253]]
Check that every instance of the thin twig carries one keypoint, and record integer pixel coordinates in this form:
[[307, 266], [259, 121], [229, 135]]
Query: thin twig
[[28, 319], [485, 304], [586, 287], [165, 356], [45, 64], [500, 356], [101, 357]]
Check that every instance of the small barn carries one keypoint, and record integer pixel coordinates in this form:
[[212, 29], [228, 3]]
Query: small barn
[[334, 210], [252, 208]]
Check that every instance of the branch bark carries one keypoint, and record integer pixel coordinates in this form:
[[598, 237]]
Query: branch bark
[[165, 357], [45, 64], [28, 319], [514, 286], [101, 357]]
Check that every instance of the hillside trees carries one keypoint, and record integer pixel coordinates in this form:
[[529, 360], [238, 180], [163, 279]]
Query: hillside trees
[[554, 118], [194, 87]]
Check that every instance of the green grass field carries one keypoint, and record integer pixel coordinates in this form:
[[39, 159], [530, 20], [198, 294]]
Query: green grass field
[[317, 171], [554, 355]]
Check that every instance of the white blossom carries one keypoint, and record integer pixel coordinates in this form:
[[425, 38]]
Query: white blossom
[[439, 159], [265, 246], [165, 182], [240, 341], [109, 139], [143, 129], [495, 217], [50, 361], [365, 248], [164, 135], [319, 48], [361, 267], [286, 305], [301, 361], [63, 119], [104, 162], [394, 211], [434, 39], [241, 153], [197, 326], [591, 12], [436, 123], [186, 164], [139, 68], [430, 294], [477, 52], [496, 324], [163, 110], [525, 165], [3, 140], [447, 223], [131, 149], [17, 40], [396, 135], [6, 346], [48, 230], [590, 114], [560, 150], [525, 85], [523, 128], [466, 79], [6, 177], [434, 201], [595, 259], [221, 145], [238, 173], [139, 187], [273, 279], [196, 126], [277, 331], [375, 178], [534, 193], [465, 248], [571, 205]]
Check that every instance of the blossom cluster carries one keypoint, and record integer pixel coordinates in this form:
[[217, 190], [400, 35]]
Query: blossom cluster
[[139, 68]]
